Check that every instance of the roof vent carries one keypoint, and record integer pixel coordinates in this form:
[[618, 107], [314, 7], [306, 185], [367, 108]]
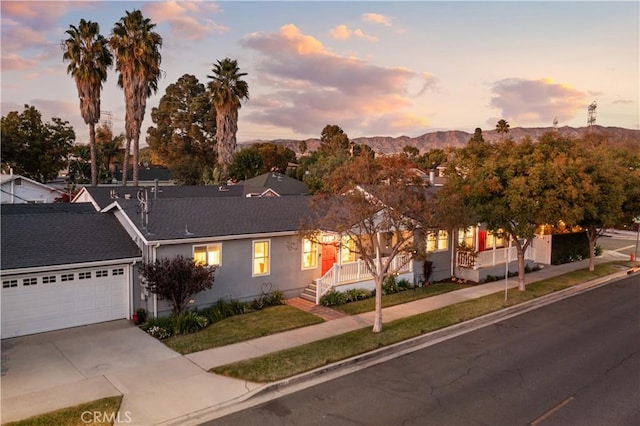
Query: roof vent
[[223, 188]]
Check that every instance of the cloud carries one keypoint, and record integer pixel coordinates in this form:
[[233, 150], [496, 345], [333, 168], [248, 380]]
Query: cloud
[[315, 86], [536, 101], [187, 20], [376, 18], [342, 32]]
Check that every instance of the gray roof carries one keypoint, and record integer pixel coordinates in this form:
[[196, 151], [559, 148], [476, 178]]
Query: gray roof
[[184, 218], [105, 195], [282, 184], [34, 236]]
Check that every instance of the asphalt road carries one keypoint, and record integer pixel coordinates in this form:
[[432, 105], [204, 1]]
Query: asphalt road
[[574, 362]]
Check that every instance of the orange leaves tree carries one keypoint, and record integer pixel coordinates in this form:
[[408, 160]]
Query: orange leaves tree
[[382, 206]]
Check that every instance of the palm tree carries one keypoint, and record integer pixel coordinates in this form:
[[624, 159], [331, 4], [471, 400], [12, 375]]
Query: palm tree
[[227, 91], [109, 147], [502, 127], [136, 49], [89, 58]]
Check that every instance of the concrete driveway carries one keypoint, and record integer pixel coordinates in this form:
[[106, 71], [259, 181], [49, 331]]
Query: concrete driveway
[[47, 371]]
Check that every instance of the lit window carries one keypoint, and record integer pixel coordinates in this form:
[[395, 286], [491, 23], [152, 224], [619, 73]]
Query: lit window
[[348, 250], [309, 254], [261, 258], [437, 241], [207, 255], [29, 281], [466, 237], [491, 238]]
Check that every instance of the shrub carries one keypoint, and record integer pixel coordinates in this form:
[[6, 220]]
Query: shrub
[[355, 294], [160, 328], [141, 314], [404, 284], [390, 286], [333, 298], [189, 322], [223, 309], [273, 298]]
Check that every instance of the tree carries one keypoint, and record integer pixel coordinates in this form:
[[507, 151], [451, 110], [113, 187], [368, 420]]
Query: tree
[[109, 149], [32, 148], [177, 279], [332, 153], [89, 58], [136, 49], [433, 158], [515, 187], [502, 127], [80, 164], [380, 205], [227, 91], [477, 135], [247, 163], [183, 138]]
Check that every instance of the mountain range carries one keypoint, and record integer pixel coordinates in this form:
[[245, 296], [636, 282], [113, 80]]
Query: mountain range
[[457, 138]]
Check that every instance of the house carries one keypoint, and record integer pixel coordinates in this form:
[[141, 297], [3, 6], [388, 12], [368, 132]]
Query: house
[[148, 174], [18, 189], [64, 265], [273, 184]]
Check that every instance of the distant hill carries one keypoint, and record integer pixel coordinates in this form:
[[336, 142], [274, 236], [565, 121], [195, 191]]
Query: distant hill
[[456, 138]]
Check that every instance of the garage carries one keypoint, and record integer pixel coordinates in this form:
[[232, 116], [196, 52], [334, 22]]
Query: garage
[[34, 303], [63, 265]]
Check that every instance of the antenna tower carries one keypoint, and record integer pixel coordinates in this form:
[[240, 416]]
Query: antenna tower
[[592, 114]]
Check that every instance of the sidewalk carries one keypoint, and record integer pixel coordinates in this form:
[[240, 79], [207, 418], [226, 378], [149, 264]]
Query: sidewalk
[[178, 390]]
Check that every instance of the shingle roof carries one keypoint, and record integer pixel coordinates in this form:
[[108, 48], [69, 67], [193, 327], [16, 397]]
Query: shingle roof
[[282, 184], [34, 236], [182, 218], [105, 195]]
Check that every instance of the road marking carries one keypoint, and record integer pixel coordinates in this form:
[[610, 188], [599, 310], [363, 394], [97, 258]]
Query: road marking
[[624, 248], [552, 411]]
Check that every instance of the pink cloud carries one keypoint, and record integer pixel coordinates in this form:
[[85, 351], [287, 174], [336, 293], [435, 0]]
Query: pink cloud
[[342, 32], [377, 18], [187, 20], [536, 101]]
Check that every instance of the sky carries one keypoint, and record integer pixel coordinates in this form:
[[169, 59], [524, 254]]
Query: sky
[[374, 68]]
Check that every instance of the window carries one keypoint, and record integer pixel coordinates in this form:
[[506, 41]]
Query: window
[[67, 277], [207, 255], [29, 281], [309, 254], [9, 283], [103, 273], [466, 237], [347, 251], [49, 279], [118, 271], [437, 241], [84, 275], [491, 238], [261, 257]]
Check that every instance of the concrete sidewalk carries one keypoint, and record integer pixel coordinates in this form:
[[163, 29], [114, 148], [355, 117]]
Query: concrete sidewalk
[[175, 389]]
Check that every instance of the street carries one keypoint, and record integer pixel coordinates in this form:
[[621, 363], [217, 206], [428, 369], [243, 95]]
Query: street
[[574, 362]]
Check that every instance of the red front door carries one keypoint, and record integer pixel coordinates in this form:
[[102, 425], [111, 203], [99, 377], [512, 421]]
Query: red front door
[[328, 257]]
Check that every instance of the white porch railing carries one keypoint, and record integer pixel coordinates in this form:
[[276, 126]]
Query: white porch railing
[[357, 271], [489, 258]]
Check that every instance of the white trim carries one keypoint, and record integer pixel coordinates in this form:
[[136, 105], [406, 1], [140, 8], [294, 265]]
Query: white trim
[[302, 253], [218, 244], [37, 269]]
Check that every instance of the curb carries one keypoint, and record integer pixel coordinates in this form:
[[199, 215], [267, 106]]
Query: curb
[[383, 354]]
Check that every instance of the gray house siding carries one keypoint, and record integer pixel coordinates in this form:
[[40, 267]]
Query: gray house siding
[[234, 279]]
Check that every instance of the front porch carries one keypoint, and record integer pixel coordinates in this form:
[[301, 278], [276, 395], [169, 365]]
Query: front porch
[[344, 276], [477, 266]]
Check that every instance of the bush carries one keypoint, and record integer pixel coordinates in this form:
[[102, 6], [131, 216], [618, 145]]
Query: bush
[[390, 286], [272, 298], [223, 309], [355, 294], [189, 322], [333, 298], [404, 284], [160, 328]]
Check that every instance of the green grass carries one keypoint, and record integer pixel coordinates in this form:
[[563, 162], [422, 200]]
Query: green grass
[[239, 328], [287, 363], [73, 416], [368, 305]]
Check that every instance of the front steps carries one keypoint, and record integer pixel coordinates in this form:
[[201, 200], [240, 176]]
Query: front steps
[[309, 293]]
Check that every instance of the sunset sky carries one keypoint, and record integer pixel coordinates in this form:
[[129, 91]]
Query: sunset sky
[[373, 68]]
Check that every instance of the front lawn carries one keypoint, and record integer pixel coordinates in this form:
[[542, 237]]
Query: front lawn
[[368, 305], [101, 412], [287, 363], [239, 328]]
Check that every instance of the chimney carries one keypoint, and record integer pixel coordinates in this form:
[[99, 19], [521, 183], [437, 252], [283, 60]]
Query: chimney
[[432, 177]]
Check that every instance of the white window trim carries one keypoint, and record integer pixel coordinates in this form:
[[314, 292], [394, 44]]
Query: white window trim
[[207, 245], [307, 268], [253, 257], [439, 240]]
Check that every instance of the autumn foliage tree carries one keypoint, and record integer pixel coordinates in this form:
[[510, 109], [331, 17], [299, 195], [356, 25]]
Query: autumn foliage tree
[[380, 204], [177, 279]]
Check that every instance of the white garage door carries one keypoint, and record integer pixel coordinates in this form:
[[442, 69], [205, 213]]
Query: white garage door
[[54, 300]]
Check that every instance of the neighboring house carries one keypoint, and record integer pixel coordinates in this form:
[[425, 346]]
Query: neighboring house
[[18, 189], [148, 174], [64, 265], [273, 184]]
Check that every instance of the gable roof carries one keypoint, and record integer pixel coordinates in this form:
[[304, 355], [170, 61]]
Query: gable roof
[[189, 218], [277, 182], [34, 236]]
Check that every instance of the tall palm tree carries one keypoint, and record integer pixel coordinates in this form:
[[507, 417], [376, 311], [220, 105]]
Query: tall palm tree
[[109, 147], [502, 127], [136, 49], [89, 58], [227, 91]]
